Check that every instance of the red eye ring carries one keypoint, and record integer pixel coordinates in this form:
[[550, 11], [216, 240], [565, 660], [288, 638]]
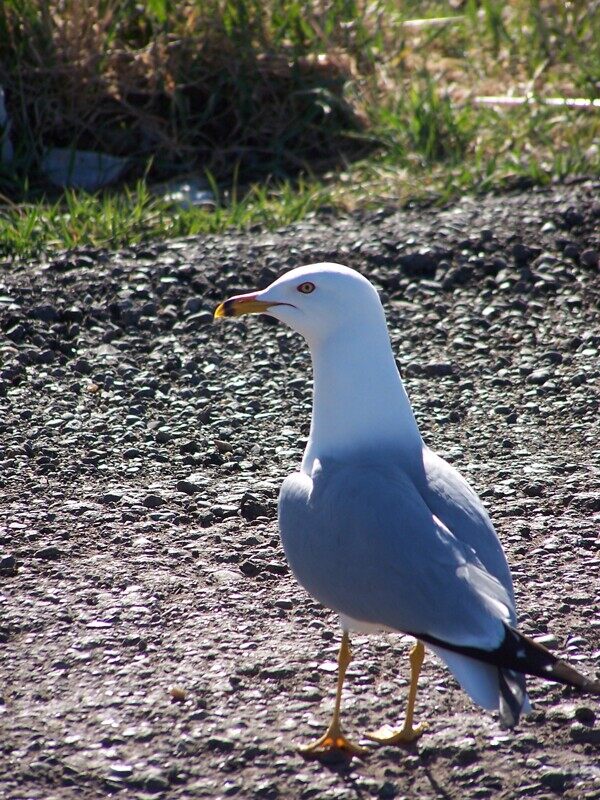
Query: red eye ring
[[306, 288]]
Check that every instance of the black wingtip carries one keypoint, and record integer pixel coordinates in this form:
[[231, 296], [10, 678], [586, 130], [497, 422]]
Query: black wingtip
[[513, 693], [564, 673], [533, 658], [520, 654]]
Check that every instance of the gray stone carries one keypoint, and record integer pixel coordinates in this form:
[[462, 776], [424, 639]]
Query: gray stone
[[539, 376], [121, 770], [49, 553], [113, 496], [523, 254], [590, 258], [188, 487], [583, 733], [72, 314], [553, 356], [572, 217], [548, 640], [252, 508], [46, 357], [156, 782], [422, 264], [199, 320], [220, 743], [153, 501], [250, 568], [132, 452], [16, 333], [534, 490], [45, 312], [192, 305], [554, 778], [8, 564], [571, 251], [163, 436], [438, 369], [278, 671], [585, 714], [82, 366], [387, 791]]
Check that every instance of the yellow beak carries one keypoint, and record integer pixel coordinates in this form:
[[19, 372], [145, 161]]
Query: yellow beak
[[243, 304]]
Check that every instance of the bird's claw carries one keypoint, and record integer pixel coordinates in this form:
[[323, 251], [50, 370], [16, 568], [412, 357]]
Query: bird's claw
[[333, 742]]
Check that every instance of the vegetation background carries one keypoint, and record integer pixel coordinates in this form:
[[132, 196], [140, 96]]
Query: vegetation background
[[283, 107]]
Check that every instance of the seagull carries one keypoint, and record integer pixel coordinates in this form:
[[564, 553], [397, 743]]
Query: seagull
[[379, 528]]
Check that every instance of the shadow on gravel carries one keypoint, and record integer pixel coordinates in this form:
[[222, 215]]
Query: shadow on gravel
[[437, 787]]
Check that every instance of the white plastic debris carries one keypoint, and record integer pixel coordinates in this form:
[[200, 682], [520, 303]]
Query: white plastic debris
[[186, 192], [521, 100], [6, 148], [431, 22], [82, 169]]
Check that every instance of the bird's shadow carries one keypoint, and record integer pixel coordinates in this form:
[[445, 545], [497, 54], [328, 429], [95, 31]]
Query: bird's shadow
[[345, 766], [437, 788]]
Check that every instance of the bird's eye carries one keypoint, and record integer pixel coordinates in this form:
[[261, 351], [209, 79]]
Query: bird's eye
[[306, 288]]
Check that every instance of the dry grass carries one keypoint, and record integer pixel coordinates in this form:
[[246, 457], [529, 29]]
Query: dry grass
[[272, 88], [210, 84], [256, 93]]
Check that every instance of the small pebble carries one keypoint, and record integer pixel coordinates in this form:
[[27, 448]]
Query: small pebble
[[121, 770], [590, 258], [554, 778], [548, 640], [188, 487], [250, 568], [583, 733], [111, 497], [585, 714], [8, 564], [220, 743], [153, 501], [156, 782], [178, 694], [49, 553]]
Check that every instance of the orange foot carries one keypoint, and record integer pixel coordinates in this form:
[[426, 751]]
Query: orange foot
[[333, 742], [388, 735]]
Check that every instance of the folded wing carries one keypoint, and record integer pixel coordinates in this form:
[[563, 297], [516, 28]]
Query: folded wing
[[362, 540]]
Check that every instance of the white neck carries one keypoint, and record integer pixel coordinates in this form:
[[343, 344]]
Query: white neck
[[360, 405]]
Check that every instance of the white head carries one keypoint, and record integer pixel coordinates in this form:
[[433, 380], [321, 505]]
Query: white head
[[359, 401], [317, 301]]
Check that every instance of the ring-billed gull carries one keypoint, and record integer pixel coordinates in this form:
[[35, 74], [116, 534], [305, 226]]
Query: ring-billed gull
[[379, 528]]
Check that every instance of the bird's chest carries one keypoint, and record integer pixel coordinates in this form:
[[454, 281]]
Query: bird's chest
[[313, 550], [324, 560]]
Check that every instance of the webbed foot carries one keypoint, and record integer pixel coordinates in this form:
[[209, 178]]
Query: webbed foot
[[388, 735], [333, 741]]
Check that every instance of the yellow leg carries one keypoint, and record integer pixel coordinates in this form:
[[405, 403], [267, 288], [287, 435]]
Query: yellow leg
[[333, 740], [386, 734]]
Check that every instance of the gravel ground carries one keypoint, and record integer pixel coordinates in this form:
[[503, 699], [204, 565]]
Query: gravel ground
[[153, 642]]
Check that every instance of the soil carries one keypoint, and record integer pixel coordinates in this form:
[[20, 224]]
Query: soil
[[153, 642]]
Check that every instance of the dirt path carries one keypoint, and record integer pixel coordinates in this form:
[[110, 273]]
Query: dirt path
[[152, 641]]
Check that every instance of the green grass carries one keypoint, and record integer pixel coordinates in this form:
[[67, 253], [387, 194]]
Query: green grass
[[135, 215], [289, 107]]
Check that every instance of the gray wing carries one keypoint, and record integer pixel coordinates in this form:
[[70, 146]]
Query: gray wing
[[361, 539], [453, 501]]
